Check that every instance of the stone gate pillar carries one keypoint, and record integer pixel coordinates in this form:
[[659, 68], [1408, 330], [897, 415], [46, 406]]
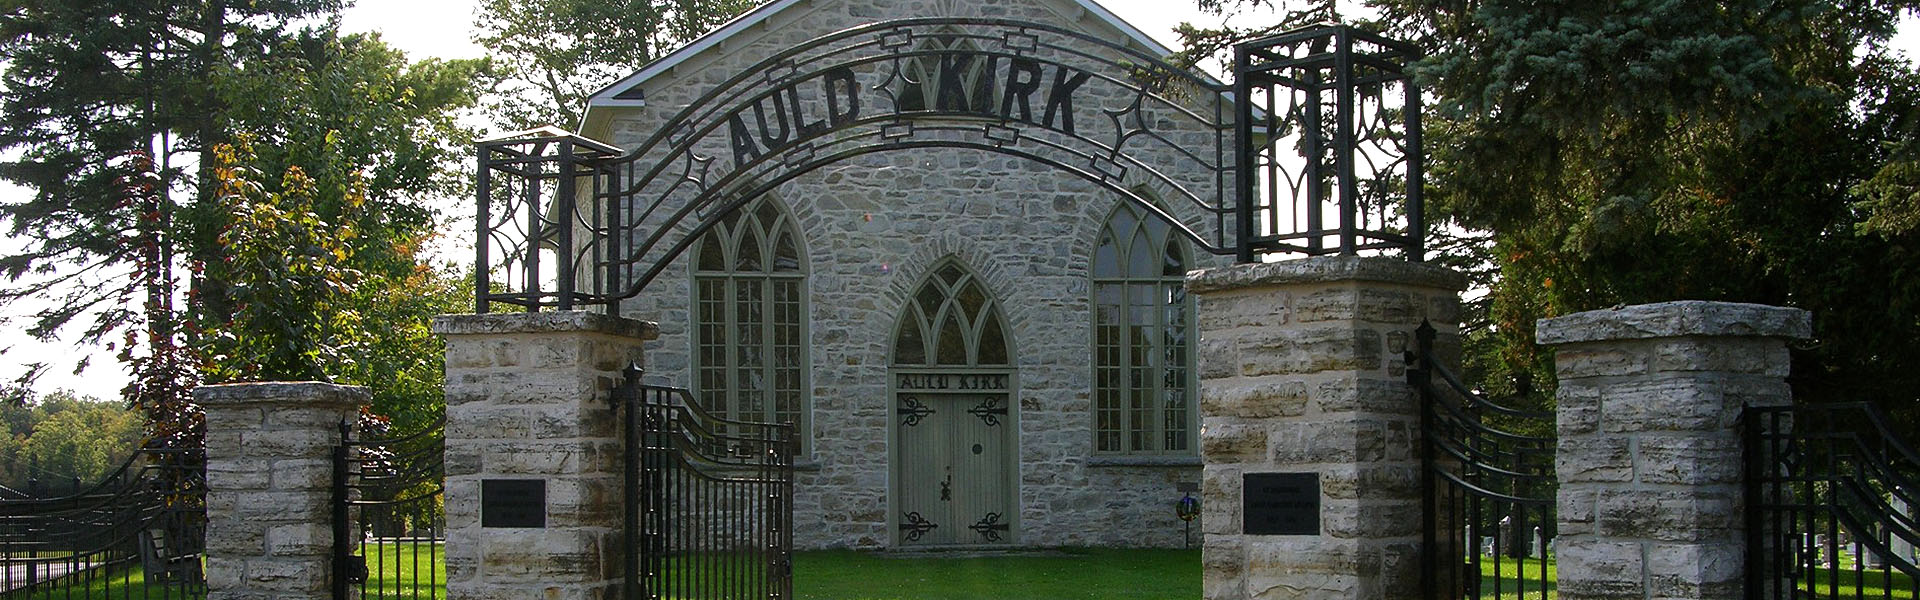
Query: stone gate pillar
[[1309, 428], [1649, 462], [533, 453], [270, 486]]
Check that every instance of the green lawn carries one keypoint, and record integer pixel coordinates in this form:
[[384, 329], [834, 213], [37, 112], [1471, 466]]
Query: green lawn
[[393, 568], [403, 570], [1517, 579], [1089, 573], [1875, 584], [114, 582], [1064, 574]]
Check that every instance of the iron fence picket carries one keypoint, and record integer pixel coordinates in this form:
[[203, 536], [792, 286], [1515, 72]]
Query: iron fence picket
[[709, 506], [1817, 474], [389, 515], [138, 533], [1480, 471]]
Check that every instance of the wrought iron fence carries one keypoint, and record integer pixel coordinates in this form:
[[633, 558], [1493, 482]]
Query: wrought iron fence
[[140, 533], [1832, 493], [1329, 137], [389, 516], [709, 501], [1489, 488]]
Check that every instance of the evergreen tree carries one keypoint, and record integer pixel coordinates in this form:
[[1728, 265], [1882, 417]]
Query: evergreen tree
[[1633, 152], [113, 113]]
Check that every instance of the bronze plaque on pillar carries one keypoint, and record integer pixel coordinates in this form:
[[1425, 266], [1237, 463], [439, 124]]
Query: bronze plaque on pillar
[[1280, 503], [513, 503]]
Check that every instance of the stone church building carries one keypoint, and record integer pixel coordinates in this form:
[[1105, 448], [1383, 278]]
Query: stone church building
[[977, 348]]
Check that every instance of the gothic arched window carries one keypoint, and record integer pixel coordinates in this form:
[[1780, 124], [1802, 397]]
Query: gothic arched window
[[951, 321], [1142, 332], [750, 315]]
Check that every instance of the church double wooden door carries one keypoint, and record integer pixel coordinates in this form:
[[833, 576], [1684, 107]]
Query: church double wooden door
[[953, 469], [954, 434]]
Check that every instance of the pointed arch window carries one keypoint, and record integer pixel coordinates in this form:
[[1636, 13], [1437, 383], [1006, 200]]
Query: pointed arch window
[[1142, 329], [749, 334], [950, 64], [951, 321]]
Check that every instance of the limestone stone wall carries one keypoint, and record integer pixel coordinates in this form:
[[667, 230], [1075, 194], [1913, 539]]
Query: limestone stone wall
[[527, 399], [269, 486], [1650, 456], [1301, 373], [873, 225]]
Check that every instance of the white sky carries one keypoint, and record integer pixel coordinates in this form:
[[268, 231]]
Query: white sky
[[442, 28]]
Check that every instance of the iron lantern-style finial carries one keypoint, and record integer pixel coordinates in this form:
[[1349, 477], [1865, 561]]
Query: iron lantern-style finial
[[1328, 129]]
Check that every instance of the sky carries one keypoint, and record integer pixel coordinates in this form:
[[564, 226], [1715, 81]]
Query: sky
[[399, 22], [443, 28]]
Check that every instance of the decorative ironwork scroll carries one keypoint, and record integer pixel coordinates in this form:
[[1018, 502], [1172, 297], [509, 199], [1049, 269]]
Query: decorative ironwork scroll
[[989, 410], [989, 527], [914, 526], [542, 241], [914, 411]]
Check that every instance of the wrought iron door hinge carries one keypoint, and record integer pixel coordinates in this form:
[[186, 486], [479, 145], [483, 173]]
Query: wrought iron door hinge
[[916, 526], [989, 527], [989, 411], [914, 411]]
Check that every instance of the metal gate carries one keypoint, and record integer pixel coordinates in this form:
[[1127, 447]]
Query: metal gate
[[1833, 494], [388, 515], [1489, 484], [140, 533], [709, 501]]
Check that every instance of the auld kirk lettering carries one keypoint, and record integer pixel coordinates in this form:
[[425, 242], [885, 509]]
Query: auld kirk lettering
[[775, 119]]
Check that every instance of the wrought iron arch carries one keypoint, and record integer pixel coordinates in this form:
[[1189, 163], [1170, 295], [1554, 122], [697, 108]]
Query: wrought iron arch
[[1084, 105]]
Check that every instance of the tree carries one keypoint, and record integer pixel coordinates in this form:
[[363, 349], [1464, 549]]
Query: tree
[[344, 156], [59, 438], [553, 54], [286, 273], [92, 85], [116, 112], [1632, 152]]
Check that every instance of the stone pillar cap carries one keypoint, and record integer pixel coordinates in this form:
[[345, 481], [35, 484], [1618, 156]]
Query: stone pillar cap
[[545, 322], [1676, 319], [1326, 269], [301, 392]]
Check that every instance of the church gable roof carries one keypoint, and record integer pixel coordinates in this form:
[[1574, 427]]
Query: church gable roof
[[631, 91]]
